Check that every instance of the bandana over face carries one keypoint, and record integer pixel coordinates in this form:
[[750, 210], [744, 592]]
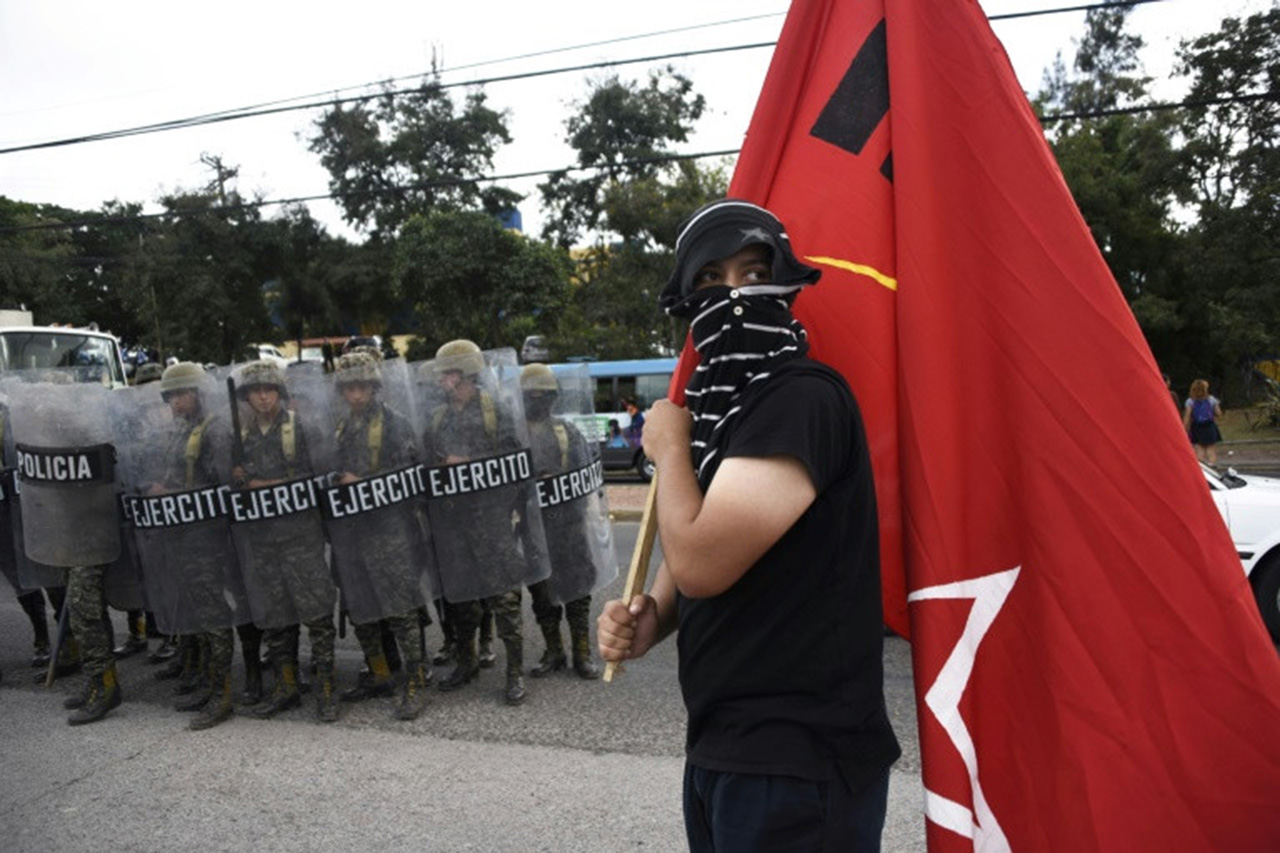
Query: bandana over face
[[741, 334]]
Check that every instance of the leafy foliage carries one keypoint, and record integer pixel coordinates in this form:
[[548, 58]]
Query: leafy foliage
[[468, 277], [622, 132], [409, 152]]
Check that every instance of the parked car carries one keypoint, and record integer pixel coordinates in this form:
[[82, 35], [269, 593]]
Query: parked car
[[264, 352], [1251, 508], [362, 341], [623, 453]]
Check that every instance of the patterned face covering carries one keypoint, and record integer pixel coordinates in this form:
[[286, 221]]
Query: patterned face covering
[[741, 336]]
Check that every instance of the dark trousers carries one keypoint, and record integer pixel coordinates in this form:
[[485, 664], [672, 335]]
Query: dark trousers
[[744, 812]]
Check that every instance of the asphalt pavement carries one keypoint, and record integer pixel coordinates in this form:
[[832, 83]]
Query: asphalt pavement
[[582, 766]]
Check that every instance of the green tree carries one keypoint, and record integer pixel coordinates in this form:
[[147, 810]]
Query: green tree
[[1122, 171], [203, 273], [408, 152], [622, 132], [302, 290], [631, 203], [1231, 159], [468, 277], [613, 311], [39, 262]]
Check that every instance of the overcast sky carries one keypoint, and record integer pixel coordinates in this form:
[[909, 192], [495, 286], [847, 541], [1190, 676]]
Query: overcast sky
[[74, 67]]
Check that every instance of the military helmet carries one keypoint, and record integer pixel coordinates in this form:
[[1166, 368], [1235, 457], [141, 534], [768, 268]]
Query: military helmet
[[183, 376], [357, 367], [460, 355], [149, 372], [537, 377], [261, 373]]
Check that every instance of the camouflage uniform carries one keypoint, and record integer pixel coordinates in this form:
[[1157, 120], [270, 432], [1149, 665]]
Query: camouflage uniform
[[284, 567], [478, 537], [198, 557], [557, 446], [387, 577]]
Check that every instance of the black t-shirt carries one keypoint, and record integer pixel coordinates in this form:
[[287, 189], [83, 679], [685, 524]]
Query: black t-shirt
[[783, 673]]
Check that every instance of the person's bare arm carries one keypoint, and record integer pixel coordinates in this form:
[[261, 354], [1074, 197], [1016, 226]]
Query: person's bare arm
[[710, 541]]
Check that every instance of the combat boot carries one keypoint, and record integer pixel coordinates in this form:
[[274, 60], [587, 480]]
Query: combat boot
[[514, 694], [553, 659], [326, 701], [466, 669], [486, 658], [284, 696], [78, 700], [217, 709], [104, 694], [445, 655], [165, 651], [137, 640], [40, 654], [192, 678], [413, 698], [182, 662], [583, 665], [251, 653], [375, 681], [68, 662], [252, 694], [195, 701]]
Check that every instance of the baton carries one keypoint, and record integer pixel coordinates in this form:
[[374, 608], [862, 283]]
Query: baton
[[59, 637], [237, 438], [640, 557]]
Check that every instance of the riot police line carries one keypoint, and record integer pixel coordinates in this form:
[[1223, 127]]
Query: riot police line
[[253, 497]]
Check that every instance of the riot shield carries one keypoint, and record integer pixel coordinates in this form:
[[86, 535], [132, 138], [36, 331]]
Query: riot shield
[[570, 481], [65, 456], [374, 511], [279, 471], [482, 504], [174, 463], [28, 574], [8, 553]]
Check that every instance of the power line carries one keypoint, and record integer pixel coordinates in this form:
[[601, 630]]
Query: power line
[[399, 188], [250, 110], [511, 176], [216, 118], [286, 105]]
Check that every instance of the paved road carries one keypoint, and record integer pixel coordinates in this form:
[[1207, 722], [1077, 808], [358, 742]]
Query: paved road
[[582, 766]]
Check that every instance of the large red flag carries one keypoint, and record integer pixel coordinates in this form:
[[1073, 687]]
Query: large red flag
[[1091, 668]]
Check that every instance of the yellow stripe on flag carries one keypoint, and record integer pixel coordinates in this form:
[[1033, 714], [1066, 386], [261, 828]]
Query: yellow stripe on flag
[[859, 269]]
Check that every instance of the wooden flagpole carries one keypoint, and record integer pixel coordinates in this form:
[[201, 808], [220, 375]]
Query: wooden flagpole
[[639, 571]]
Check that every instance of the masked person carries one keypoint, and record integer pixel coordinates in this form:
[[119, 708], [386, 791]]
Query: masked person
[[487, 535], [281, 543], [570, 481], [766, 510], [377, 550]]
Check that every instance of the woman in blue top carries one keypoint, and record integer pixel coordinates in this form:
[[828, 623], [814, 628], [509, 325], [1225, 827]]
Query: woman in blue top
[[1199, 416]]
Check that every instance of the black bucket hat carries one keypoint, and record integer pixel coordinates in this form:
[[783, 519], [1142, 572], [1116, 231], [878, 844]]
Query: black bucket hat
[[719, 230]]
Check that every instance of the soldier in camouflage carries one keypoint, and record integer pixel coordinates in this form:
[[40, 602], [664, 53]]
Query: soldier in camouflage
[[373, 438], [464, 428], [558, 447], [188, 461], [287, 572]]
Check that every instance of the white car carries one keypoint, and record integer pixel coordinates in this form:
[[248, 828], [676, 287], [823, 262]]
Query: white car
[[1251, 508]]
